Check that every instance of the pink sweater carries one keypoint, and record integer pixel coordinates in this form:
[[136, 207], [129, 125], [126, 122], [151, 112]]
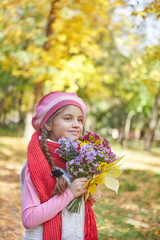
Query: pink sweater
[[33, 212]]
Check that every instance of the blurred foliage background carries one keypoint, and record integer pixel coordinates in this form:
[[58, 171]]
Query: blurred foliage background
[[106, 51]]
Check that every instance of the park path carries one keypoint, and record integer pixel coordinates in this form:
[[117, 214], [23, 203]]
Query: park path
[[140, 160]]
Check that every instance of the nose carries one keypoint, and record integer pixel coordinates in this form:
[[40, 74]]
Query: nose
[[75, 123]]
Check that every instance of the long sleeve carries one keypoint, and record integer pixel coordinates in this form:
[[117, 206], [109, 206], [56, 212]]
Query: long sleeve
[[35, 213]]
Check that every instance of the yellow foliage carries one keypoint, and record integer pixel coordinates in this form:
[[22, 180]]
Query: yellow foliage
[[155, 74], [118, 3], [67, 64], [107, 176], [8, 103], [142, 13]]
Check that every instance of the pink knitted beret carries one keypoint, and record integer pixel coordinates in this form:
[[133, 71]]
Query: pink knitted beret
[[51, 102]]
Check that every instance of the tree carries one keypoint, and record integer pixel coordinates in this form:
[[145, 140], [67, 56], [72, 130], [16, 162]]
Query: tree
[[153, 83], [151, 78], [57, 50]]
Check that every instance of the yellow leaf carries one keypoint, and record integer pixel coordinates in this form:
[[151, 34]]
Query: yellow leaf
[[116, 172], [110, 165], [93, 189], [102, 166], [112, 183], [100, 181], [106, 177], [86, 195], [136, 223], [143, 14], [118, 3]]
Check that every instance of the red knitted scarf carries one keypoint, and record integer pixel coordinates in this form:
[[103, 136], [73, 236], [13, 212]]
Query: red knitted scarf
[[40, 174]]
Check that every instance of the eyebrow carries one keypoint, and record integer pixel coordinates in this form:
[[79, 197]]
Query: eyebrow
[[68, 114]]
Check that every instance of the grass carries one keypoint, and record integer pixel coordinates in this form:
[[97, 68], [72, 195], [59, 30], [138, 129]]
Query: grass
[[132, 214]]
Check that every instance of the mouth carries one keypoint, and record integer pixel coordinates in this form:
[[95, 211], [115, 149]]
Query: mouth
[[74, 132]]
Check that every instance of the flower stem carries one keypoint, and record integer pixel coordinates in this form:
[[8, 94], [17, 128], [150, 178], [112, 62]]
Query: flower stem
[[75, 205]]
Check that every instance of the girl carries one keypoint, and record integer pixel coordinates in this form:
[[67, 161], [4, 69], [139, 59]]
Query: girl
[[46, 187]]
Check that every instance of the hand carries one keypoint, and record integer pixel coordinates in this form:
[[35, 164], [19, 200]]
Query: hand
[[77, 187], [95, 197]]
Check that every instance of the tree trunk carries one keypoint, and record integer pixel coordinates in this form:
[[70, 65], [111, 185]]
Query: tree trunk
[[153, 123], [46, 47], [90, 123], [20, 122], [28, 130], [128, 125], [51, 20], [4, 119], [127, 130], [39, 86], [9, 91]]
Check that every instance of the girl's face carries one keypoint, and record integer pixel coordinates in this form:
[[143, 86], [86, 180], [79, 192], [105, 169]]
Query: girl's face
[[68, 124]]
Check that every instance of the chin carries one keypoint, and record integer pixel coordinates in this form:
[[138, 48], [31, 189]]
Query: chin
[[73, 137]]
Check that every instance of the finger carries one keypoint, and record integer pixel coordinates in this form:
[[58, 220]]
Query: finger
[[82, 185], [84, 191], [83, 179]]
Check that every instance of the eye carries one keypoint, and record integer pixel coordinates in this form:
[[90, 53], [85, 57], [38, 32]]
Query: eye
[[80, 120], [67, 118]]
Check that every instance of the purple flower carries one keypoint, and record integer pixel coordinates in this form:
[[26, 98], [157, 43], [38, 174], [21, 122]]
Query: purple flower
[[106, 144], [87, 152], [84, 159], [101, 153]]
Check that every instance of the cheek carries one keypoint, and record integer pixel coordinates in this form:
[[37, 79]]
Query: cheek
[[81, 128], [60, 124]]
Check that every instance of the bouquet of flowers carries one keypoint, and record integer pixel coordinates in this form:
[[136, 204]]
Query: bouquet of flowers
[[92, 158]]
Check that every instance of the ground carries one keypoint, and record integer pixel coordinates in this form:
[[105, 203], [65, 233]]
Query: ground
[[132, 214]]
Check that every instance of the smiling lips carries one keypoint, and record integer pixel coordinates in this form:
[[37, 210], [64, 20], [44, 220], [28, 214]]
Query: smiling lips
[[74, 132]]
